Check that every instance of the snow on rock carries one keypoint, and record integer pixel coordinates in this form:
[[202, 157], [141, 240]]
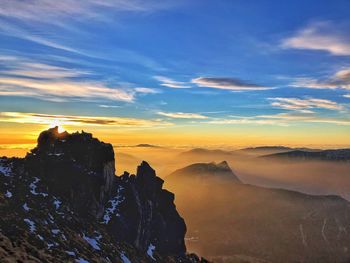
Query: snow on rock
[[57, 203], [8, 194], [33, 187], [124, 258], [150, 251], [31, 224], [55, 231], [70, 253], [25, 207], [5, 170], [114, 203], [82, 260], [93, 241]]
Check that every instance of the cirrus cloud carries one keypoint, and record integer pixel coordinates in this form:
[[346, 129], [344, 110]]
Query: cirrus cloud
[[305, 104], [72, 120], [182, 115], [226, 83]]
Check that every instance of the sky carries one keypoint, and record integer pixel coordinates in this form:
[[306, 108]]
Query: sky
[[214, 73]]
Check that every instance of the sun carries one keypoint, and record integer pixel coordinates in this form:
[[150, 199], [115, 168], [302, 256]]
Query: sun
[[57, 123]]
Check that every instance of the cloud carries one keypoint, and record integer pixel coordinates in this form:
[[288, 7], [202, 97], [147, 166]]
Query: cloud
[[48, 11], [281, 119], [305, 104], [322, 36], [170, 83], [147, 90], [182, 115], [346, 96], [61, 90], [71, 120], [108, 106], [339, 80], [227, 84], [27, 78]]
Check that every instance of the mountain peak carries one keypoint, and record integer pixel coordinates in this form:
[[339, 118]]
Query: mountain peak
[[210, 170]]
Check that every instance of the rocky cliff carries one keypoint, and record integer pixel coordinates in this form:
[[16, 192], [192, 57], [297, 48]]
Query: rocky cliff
[[63, 203]]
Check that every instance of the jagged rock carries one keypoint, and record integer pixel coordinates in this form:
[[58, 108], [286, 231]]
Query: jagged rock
[[63, 203], [154, 219]]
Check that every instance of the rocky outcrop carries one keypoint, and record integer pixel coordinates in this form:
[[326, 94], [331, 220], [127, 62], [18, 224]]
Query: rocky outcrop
[[154, 219], [63, 201]]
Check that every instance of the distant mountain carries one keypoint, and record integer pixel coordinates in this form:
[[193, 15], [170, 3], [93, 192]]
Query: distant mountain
[[210, 154], [63, 203], [202, 151], [146, 145], [203, 171], [234, 222], [325, 155]]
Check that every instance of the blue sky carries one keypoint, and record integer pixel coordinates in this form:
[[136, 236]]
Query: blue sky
[[214, 65]]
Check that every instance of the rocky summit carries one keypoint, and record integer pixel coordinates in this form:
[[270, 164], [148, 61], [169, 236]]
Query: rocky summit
[[64, 203]]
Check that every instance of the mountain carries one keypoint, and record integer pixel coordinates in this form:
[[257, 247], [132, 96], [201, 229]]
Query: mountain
[[203, 171], [146, 145], [262, 150], [325, 155], [63, 203], [235, 222]]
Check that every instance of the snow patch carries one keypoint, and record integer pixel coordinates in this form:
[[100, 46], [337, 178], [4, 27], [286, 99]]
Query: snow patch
[[93, 241], [5, 171], [82, 260], [33, 187], [57, 203], [150, 251], [40, 237], [8, 194], [124, 258], [31, 224], [70, 253], [55, 231], [114, 203], [26, 207]]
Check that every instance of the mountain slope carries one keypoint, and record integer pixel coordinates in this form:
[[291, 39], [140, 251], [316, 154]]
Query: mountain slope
[[230, 222], [325, 155], [203, 171], [63, 203]]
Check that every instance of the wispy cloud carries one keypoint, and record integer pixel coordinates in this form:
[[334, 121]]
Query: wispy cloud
[[323, 36], [27, 78], [304, 105], [182, 115], [147, 90], [70, 120], [170, 83], [108, 106], [346, 96], [281, 119], [46, 10], [62, 90], [227, 84], [339, 80]]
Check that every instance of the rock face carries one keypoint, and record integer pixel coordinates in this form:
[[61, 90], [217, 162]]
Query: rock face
[[63, 203], [154, 219]]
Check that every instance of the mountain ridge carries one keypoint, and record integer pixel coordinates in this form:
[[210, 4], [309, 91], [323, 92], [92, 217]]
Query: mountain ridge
[[63, 203]]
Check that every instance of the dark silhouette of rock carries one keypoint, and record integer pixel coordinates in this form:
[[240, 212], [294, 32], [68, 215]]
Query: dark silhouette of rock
[[63, 202]]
